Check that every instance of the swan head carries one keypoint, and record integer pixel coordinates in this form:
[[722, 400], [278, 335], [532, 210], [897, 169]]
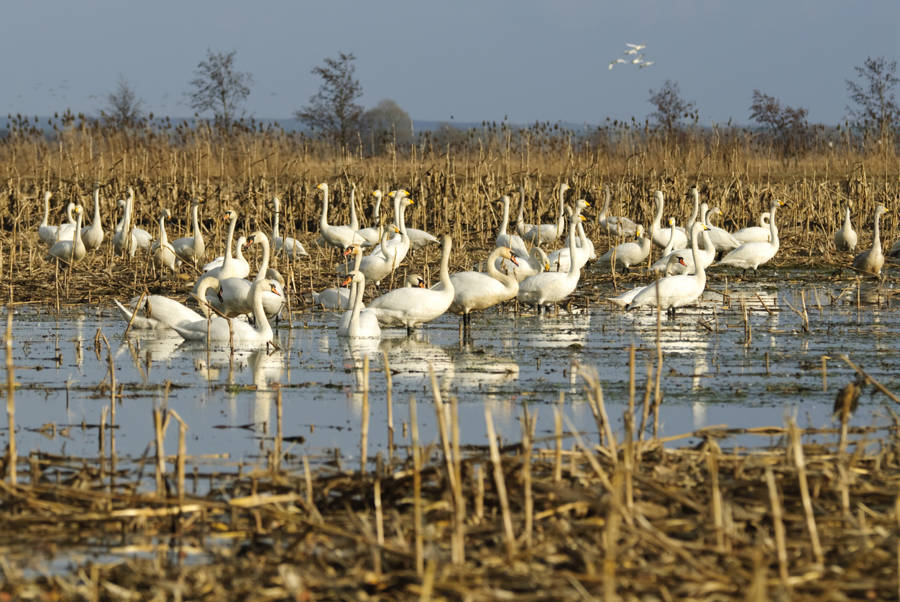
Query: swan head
[[507, 253], [120, 204], [658, 196], [354, 276], [257, 236], [581, 204], [229, 215], [415, 281], [196, 202], [47, 195], [273, 288], [671, 222], [353, 249], [77, 210], [563, 188], [130, 192], [276, 202], [639, 231], [504, 200], [680, 259], [166, 214], [323, 187]]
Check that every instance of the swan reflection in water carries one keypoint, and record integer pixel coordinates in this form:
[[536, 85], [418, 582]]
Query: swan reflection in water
[[267, 368], [555, 331]]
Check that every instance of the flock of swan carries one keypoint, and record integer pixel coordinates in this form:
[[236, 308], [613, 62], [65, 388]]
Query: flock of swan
[[237, 311]]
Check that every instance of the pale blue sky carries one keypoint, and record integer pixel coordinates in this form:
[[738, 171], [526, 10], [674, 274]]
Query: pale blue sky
[[473, 60]]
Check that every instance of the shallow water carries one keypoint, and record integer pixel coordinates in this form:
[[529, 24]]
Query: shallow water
[[710, 377]]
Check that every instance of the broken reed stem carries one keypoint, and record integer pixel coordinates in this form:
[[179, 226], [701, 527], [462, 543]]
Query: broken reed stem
[[182, 453], [417, 487], [364, 427], [712, 465], [645, 405], [450, 463], [528, 423], [390, 408], [12, 453], [379, 512], [778, 523], [276, 452], [557, 423], [500, 483], [874, 382], [800, 463]]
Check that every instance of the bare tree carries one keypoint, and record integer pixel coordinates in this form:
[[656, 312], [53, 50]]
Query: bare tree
[[333, 109], [218, 87], [671, 108], [786, 125], [875, 111], [384, 123], [123, 107]]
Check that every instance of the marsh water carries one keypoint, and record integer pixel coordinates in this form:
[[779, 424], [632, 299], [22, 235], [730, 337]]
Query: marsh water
[[712, 374]]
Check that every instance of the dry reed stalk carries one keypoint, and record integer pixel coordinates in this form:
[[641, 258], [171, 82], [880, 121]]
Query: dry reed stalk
[[825, 359], [390, 408], [800, 463], [500, 484], [778, 523], [364, 427], [478, 475], [528, 424], [611, 537], [557, 424], [874, 382], [598, 408], [450, 461], [712, 465], [417, 487], [279, 413], [182, 453], [11, 451], [645, 407]]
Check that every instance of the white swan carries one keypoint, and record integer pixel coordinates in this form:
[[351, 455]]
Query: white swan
[[872, 260], [513, 241], [92, 235], [751, 255], [845, 238], [372, 235], [161, 312], [706, 256], [413, 306], [541, 233], [676, 261], [235, 293], [475, 291], [161, 250], [584, 248], [228, 266], [418, 239], [291, 247], [387, 256], [616, 226], [66, 230], [535, 262], [660, 236], [552, 287], [630, 253], [128, 239], [672, 292], [71, 251], [358, 322], [721, 239], [47, 232], [342, 297], [760, 233], [191, 249], [340, 237], [228, 330]]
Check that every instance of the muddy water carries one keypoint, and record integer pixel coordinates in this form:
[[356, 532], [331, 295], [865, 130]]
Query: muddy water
[[711, 374]]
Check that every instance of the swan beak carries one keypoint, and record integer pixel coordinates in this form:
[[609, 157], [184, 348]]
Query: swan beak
[[410, 201], [587, 203], [348, 250], [583, 218], [247, 243], [514, 259], [347, 281], [682, 261], [421, 283], [321, 186], [547, 266]]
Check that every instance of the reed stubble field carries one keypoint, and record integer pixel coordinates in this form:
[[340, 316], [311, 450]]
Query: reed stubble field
[[619, 514]]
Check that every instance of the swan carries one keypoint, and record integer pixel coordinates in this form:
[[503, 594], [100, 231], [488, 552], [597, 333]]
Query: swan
[[660, 236], [66, 230], [751, 255], [552, 287], [676, 260], [760, 233], [386, 257], [631, 253], [336, 236], [541, 233], [358, 322], [230, 267], [584, 248], [872, 260], [513, 241], [191, 249], [128, 239], [418, 239], [236, 332], [47, 232], [721, 239], [686, 266], [71, 250], [845, 238], [672, 292], [291, 247], [340, 298], [412, 306], [372, 235], [235, 293], [92, 235], [535, 262], [161, 251], [616, 226], [473, 291], [162, 312]]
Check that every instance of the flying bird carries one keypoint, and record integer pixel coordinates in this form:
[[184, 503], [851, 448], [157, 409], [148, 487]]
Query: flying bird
[[617, 61], [632, 55], [634, 48]]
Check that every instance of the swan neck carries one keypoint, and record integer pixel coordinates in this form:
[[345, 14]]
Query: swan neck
[[504, 223], [46, 219], [445, 268], [259, 314], [605, 209], [205, 284], [354, 221], [876, 243], [773, 230], [96, 208], [323, 221], [357, 302], [572, 269], [505, 279], [228, 243], [264, 265]]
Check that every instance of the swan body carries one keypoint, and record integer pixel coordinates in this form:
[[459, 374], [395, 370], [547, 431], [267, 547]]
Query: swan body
[[92, 235], [721, 239], [751, 255], [161, 312], [230, 267], [535, 262], [47, 233], [686, 266], [845, 238], [161, 251], [71, 251], [358, 322], [872, 260], [513, 241], [129, 239], [237, 332], [659, 235], [474, 291], [760, 233], [191, 249], [340, 237], [66, 230], [291, 247], [584, 248], [541, 233], [616, 226], [630, 253], [672, 292], [413, 306], [235, 293], [675, 260], [387, 256], [552, 287]]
